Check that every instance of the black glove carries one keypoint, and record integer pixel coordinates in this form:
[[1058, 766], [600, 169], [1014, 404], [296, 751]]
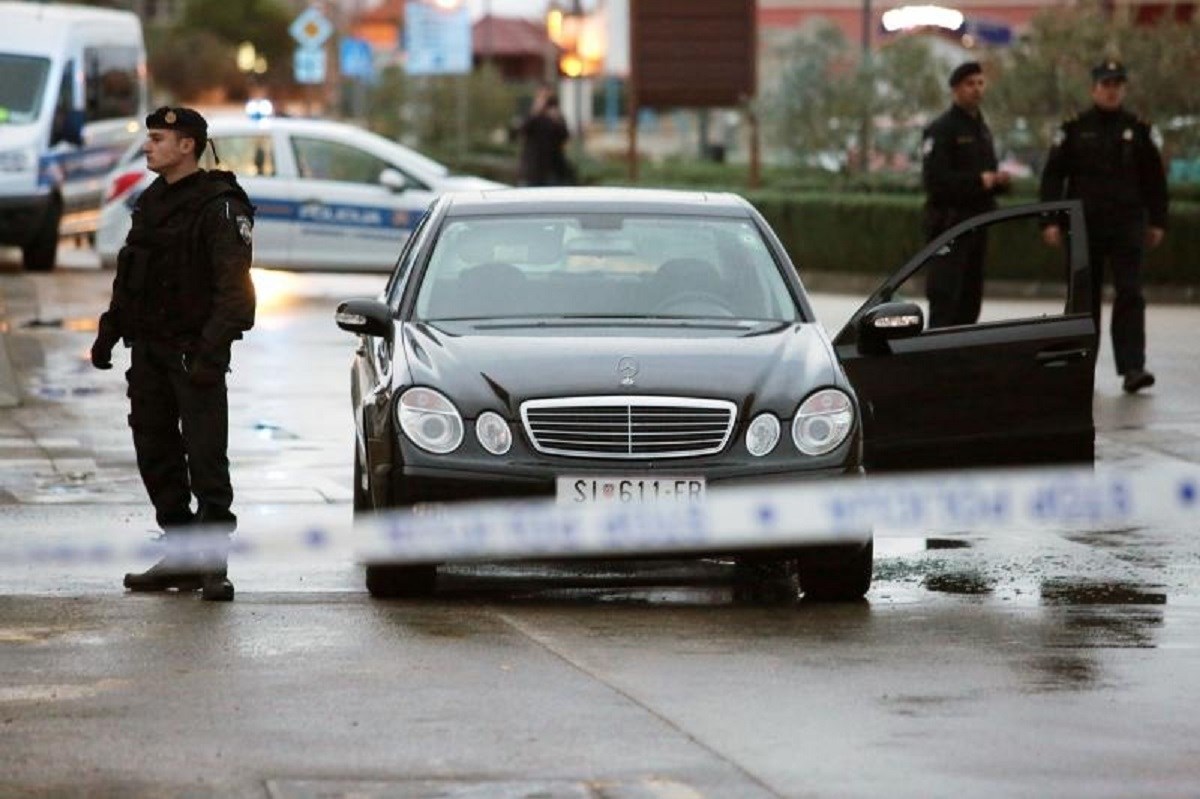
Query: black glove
[[107, 336], [102, 353], [206, 365]]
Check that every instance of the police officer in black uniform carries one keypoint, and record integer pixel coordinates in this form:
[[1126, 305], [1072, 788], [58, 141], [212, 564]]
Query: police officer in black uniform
[[961, 179], [1109, 158], [181, 295]]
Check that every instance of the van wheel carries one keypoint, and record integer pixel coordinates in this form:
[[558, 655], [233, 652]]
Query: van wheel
[[40, 254], [837, 574], [401, 582]]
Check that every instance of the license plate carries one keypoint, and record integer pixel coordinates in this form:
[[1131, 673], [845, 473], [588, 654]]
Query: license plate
[[591, 490]]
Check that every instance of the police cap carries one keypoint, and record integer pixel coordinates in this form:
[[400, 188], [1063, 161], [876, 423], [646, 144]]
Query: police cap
[[1110, 69], [964, 71], [185, 120]]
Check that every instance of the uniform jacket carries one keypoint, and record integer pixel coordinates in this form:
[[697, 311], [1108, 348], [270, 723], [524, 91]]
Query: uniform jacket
[[1109, 160], [956, 149], [183, 276]]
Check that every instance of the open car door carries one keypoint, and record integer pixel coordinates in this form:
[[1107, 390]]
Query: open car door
[[1009, 389]]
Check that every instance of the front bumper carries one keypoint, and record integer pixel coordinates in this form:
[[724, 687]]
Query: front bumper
[[470, 474]]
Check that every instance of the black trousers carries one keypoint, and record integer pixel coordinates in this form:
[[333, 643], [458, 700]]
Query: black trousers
[[181, 436], [954, 282], [1120, 249]]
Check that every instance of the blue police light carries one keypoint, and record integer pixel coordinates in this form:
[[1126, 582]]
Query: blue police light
[[260, 108]]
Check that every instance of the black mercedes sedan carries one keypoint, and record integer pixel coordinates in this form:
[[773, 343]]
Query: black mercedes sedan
[[621, 345]]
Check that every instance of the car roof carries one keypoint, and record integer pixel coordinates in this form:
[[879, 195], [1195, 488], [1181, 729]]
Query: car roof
[[595, 199]]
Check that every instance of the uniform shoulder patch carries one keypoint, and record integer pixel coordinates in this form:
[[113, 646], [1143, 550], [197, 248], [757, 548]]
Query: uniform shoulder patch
[[245, 227]]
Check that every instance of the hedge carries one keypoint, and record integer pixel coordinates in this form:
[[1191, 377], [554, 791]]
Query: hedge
[[873, 234]]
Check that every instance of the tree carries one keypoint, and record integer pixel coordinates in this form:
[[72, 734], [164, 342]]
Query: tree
[[812, 112], [198, 53], [1045, 76], [427, 110], [826, 93]]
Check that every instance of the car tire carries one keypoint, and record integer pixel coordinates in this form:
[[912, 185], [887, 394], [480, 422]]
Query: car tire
[[41, 253], [401, 582], [837, 574]]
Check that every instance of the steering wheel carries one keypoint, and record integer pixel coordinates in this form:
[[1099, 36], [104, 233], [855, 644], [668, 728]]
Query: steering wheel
[[693, 303]]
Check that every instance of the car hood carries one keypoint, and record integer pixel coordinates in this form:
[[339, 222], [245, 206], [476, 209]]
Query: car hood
[[759, 366]]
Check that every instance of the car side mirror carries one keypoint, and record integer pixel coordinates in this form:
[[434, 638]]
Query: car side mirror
[[891, 320], [364, 317], [393, 180]]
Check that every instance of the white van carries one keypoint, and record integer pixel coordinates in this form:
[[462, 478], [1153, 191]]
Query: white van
[[72, 98]]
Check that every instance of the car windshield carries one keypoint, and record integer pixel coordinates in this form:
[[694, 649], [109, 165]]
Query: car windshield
[[603, 265], [22, 86]]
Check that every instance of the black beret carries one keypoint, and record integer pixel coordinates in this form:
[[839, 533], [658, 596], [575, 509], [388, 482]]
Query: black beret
[[184, 120], [964, 71], [1109, 70]]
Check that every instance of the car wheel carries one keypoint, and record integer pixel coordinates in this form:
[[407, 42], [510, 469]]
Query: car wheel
[[41, 253], [837, 574], [401, 582]]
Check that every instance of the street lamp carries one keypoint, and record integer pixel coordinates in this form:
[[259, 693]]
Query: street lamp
[[580, 38]]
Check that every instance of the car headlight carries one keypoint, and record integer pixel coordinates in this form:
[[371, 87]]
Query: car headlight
[[16, 160], [430, 420], [493, 433], [762, 435], [823, 421]]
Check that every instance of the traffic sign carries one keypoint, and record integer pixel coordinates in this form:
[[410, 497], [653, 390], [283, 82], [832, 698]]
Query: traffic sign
[[355, 59], [436, 41], [310, 29], [308, 65]]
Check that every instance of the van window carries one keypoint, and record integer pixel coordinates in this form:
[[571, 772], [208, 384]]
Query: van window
[[111, 75], [22, 87]]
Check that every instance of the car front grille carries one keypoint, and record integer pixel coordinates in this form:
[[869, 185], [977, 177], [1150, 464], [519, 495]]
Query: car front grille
[[628, 427]]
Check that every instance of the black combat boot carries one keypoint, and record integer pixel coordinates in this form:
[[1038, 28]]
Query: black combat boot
[[216, 587], [163, 576]]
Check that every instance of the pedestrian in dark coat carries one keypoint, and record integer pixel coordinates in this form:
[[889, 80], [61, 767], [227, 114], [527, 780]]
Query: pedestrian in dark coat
[[544, 136], [1109, 158], [181, 296], [961, 178]]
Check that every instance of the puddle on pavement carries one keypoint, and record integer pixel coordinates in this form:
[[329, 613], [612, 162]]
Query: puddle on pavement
[[1091, 592], [961, 583]]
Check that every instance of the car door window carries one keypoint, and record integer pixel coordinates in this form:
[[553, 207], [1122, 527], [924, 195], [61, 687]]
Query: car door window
[[1015, 243], [408, 256], [245, 156], [323, 159], [1013, 388]]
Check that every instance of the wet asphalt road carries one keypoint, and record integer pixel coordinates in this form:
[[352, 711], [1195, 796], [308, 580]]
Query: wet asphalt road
[[1015, 664]]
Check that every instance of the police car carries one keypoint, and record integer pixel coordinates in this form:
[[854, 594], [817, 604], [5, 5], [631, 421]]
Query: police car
[[329, 196]]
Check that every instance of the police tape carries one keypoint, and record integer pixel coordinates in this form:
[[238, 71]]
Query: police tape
[[778, 515]]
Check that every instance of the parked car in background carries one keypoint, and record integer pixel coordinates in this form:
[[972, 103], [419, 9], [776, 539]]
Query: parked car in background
[[328, 195], [610, 345], [72, 98]]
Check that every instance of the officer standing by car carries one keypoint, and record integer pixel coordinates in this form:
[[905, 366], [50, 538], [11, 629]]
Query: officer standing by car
[[181, 296], [961, 178], [1109, 158]]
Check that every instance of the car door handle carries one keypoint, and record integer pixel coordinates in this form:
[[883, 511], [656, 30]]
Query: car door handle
[[1061, 357]]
